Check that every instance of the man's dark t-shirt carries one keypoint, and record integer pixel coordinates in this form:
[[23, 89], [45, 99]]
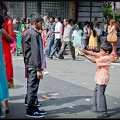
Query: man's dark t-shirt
[[16, 26]]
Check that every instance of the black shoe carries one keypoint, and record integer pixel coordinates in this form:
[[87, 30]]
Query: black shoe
[[73, 58], [50, 57], [103, 115], [7, 110], [38, 104], [61, 57]]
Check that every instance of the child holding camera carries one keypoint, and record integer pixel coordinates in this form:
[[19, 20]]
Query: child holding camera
[[103, 61]]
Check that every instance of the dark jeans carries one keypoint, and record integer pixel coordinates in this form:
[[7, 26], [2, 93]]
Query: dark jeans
[[50, 44], [32, 89], [99, 99], [56, 46], [86, 41]]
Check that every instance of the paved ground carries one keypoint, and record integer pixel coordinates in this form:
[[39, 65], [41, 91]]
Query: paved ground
[[73, 81]]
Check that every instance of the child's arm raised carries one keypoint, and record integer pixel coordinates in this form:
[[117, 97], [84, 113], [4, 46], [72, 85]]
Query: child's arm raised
[[89, 58], [89, 52]]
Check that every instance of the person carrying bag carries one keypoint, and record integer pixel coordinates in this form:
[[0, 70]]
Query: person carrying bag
[[112, 37]]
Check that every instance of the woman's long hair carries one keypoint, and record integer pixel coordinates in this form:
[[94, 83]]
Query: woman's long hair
[[4, 10], [1, 21], [94, 31], [114, 22]]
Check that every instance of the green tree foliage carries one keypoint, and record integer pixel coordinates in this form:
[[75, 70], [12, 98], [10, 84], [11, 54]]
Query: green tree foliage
[[107, 10]]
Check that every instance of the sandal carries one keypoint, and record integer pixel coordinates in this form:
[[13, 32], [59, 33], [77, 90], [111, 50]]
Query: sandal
[[46, 97]]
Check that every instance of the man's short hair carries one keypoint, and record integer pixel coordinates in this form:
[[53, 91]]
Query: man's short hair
[[66, 20], [59, 18], [52, 17], [35, 17]]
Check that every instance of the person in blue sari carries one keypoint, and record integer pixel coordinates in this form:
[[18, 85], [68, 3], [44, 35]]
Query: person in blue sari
[[77, 39], [4, 92]]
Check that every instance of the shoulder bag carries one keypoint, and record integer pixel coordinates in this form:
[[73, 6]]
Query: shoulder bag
[[112, 37]]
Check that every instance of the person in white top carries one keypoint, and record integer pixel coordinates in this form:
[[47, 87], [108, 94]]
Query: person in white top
[[58, 30], [58, 37], [86, 33], [66, 40]]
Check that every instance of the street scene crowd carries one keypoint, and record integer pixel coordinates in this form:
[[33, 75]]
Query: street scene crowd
[[44, 38]]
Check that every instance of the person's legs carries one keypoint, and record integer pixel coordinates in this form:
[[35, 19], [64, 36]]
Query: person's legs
[[76, 50], [50, 44], [36, 102], [72, 49], [114, 52], [59, 47], [86, 41], [32, 88], [101, 102], [60, 53], [95, 98], [55, 47], [2, 109], [31, 97], [18, 50], [101, 99], [6, 107]]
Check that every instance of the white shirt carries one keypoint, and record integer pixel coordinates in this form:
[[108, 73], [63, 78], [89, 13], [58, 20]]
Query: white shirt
[[58, 28], [67, 32], [99, 32], [86, 31]]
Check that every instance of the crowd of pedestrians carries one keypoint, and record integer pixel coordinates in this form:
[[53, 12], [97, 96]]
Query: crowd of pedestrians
[[40, 38]]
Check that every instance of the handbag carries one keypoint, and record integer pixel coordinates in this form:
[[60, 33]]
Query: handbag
[[112, 37]]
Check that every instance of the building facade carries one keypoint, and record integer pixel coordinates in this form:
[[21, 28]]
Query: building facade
[[80, 11]]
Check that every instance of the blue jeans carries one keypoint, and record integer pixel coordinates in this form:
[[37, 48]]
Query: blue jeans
[[50, 44]]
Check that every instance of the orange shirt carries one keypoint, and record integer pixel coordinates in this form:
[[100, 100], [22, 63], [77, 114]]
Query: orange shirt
[[102, 72]]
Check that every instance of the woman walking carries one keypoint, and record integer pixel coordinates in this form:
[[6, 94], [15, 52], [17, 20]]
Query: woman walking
[[78, 41]]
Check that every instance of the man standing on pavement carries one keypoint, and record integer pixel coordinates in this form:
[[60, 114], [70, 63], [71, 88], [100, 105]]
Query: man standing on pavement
[[66, 40], [34, 60], [58, 36]]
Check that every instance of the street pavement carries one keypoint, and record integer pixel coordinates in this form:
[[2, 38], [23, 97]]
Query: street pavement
[[71, 82]]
